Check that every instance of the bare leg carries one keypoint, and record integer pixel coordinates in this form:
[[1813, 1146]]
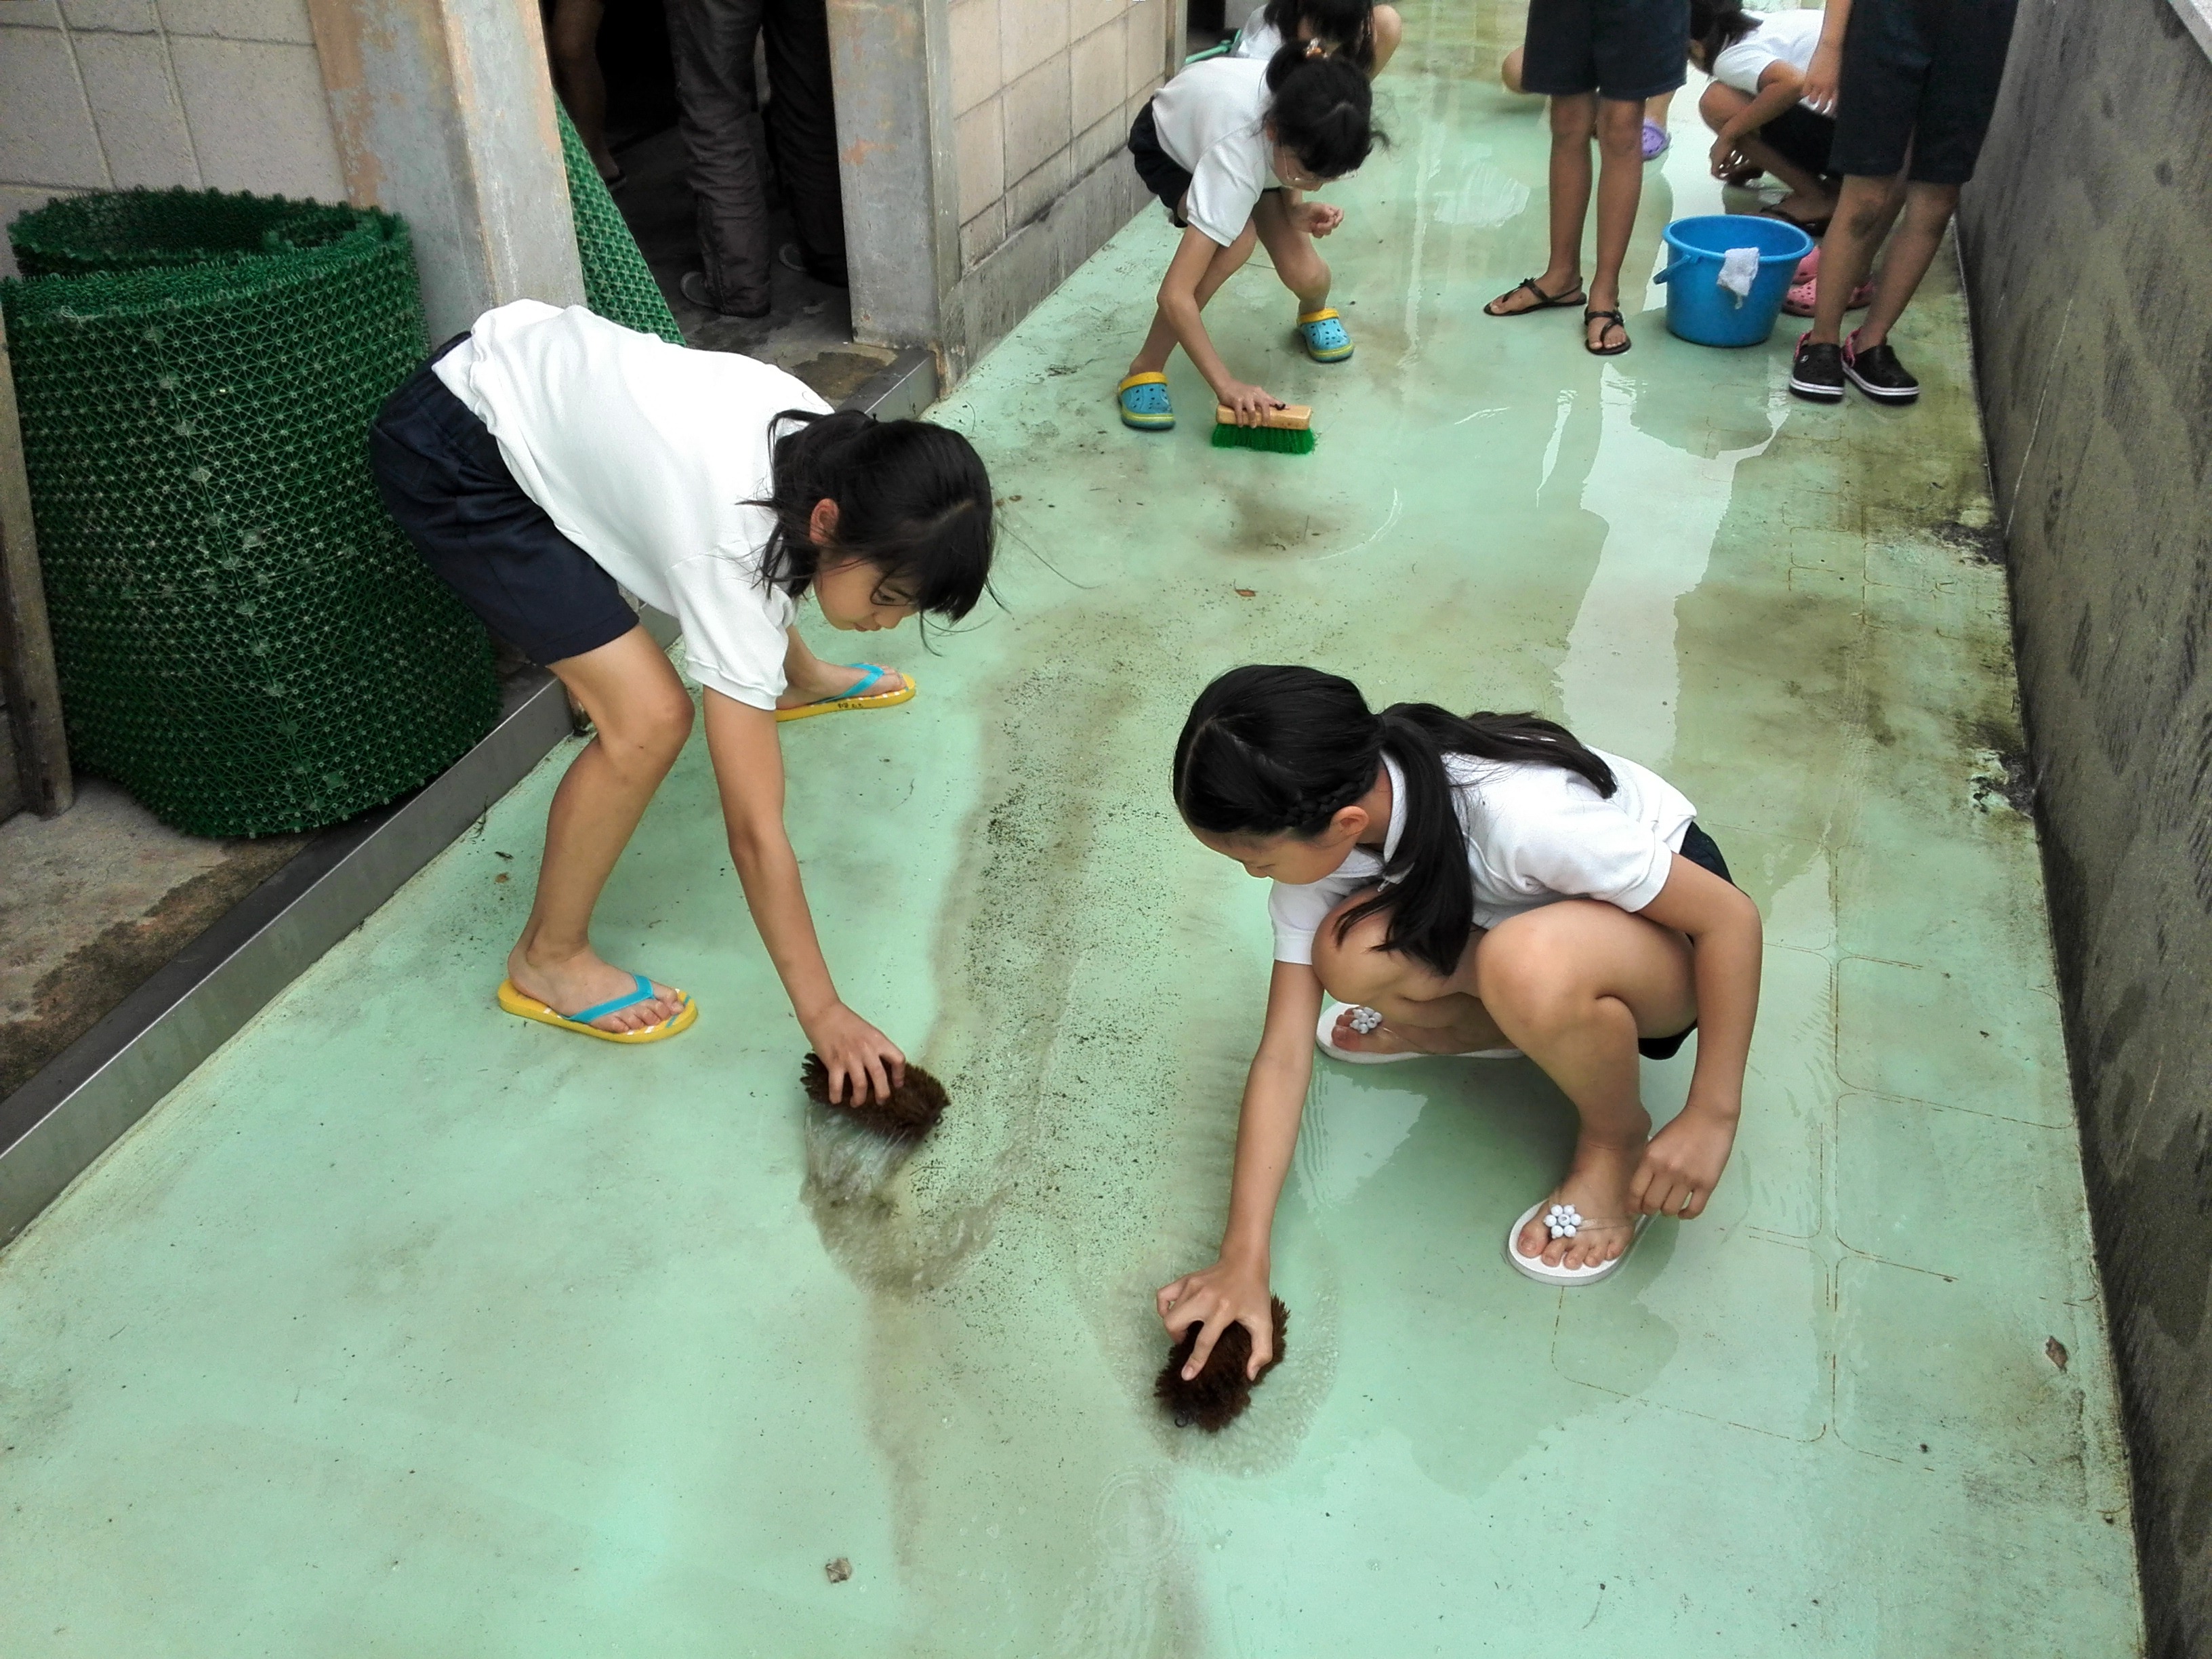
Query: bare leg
[[643, 715], [1574, 120], [1389, 31], [1298, 261], [1717, 106], [1572, 985], [1809, 196], [1928, 210], [1620, 187], [1509, 72], [1153, 357], [1864, 211], [572, 43]]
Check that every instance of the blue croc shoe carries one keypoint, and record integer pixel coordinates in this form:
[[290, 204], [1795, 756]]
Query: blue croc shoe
[[1327, 339], [1144, 400]]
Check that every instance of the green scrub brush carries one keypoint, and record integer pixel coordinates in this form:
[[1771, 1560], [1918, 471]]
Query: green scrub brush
[[1285, 431]]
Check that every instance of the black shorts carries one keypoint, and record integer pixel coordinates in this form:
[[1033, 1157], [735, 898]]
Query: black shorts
[[1804, 138], [1625, 50], [1164, 176], [440, 472], [1698, 848], [1920, 80]]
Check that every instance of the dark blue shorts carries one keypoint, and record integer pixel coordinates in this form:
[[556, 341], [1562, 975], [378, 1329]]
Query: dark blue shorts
[[1624, 50], [440, 472], [1919, 84], [1697, 847]]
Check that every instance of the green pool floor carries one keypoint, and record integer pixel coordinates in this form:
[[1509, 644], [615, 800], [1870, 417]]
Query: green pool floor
[[404, 1328]]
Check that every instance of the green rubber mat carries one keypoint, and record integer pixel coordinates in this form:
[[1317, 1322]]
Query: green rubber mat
[[618, 283], [246, 643]]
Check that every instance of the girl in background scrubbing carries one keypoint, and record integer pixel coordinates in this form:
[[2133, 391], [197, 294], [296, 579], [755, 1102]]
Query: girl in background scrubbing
[[1483, 887], [1359, 29], [1231, 146], [548, 458]]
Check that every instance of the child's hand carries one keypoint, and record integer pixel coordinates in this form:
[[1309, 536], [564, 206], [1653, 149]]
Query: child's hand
[[1226, 1294], [1821, 74], [1247, 403], [854, 1052], [1683, 1164], [1319, 218], [1724, 158]]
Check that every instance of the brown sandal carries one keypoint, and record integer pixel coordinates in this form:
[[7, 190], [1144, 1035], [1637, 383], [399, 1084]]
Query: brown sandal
[[1544, 301], [1613, 319]]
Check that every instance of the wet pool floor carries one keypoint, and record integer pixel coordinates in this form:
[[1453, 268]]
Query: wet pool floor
[[406, 1327]]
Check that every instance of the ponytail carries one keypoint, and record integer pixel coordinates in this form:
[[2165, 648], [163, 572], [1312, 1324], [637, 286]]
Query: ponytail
[[1346, 28], [1321, 108], [913, 499], [1273, 751]]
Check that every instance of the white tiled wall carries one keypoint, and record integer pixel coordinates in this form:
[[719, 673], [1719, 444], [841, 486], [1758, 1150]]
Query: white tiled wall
[[1043, 91], [223, 95]]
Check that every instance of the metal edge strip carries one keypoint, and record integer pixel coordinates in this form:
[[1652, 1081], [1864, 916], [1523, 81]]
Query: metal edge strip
[[54, 1126]]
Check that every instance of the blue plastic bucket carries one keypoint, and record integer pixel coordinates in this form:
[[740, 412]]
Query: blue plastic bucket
[[1698, 308]]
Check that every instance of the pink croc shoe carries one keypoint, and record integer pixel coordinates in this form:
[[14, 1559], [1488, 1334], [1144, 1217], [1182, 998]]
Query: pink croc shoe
[[1805, 284]]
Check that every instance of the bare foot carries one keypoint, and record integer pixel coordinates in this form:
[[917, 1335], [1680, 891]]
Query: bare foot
[[1556, 290], [836, 679], [1806, 210], [578, 982], [1596, 1186], [1396, 1040]]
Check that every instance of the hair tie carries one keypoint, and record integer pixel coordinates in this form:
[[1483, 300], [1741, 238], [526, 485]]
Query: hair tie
[[1316, 49]]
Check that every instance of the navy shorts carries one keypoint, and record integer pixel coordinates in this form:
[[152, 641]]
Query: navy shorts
[[1624, 50], [440, 472], [1164, 176], [1804, 138], [1697, 847], [1919, 81]]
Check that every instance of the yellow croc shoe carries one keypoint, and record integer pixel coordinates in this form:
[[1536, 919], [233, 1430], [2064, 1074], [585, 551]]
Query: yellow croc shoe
[[870, 693], [528, 1007]]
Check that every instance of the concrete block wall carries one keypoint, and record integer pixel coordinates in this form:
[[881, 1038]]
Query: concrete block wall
[[2087, 239], [1043, 94], [224, 95]]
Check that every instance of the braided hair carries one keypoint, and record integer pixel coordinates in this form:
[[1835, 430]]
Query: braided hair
[[1270, 750]]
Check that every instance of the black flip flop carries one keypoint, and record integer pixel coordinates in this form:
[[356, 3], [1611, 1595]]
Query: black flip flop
[[1544, 301], [1602, 351]]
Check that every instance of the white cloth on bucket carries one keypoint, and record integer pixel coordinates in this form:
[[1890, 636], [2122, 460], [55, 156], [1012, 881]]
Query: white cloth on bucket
[[1738, 269]]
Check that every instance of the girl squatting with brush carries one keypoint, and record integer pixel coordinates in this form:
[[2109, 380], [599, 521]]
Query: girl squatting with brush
[[1231, 146], [548, 455], [1483, 887]]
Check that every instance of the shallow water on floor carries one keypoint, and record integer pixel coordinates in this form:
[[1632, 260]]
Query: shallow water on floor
[[404, 1326]]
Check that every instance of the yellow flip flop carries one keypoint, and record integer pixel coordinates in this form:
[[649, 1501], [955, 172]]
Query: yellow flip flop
[[527, 1008], [858, 697]]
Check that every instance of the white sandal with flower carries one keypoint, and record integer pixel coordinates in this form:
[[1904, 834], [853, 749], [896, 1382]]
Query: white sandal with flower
[[1562, 1221], [1364, 1020]]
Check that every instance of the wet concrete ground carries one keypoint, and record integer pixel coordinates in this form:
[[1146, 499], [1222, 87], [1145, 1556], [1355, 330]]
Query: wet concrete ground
[[405, 1326]]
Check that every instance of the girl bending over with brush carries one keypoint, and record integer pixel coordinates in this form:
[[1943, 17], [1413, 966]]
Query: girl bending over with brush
[[1486, 888], [1231, 146], [1365, 33], [546, 456]]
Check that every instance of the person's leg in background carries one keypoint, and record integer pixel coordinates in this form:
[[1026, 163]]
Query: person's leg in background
[[1656, 138], [712, 44], [572, 51], [802, 126], [1620, 127]]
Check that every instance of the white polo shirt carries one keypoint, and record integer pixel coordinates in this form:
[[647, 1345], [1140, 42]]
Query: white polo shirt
[[644, 454], [1210, 121], [1785, 37], [1535, 835]]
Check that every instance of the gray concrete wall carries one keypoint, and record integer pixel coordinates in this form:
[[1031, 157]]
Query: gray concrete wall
[[2087, 239]]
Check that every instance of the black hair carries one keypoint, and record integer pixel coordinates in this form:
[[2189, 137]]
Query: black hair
[[1272, 751], [1716, 25], [913, 499], [1322, 107], [1345, 26]]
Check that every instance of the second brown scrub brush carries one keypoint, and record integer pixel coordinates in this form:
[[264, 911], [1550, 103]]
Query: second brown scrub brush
[[1217, 1395]]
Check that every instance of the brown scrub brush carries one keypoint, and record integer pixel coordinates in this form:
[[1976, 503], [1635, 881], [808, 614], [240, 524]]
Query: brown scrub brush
[[1217, 1395], [911, 1112]]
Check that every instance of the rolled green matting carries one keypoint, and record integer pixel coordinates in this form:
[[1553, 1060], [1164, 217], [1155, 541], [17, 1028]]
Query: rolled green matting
[[618, 282], [246, 642]]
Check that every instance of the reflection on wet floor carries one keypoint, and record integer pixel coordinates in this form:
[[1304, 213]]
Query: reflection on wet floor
[[406, 1327]]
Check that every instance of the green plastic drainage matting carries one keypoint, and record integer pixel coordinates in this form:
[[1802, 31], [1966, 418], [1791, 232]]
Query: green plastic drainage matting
[[407, 1327]]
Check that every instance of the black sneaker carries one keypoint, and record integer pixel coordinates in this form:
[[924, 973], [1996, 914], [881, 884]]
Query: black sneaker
[[1817, 372], [1877, 372]]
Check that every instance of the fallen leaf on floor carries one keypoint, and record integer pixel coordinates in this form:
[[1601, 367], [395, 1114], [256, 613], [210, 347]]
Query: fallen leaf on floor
[[1248, 593], [2055, 1351], [501, 876], [838, 1571]]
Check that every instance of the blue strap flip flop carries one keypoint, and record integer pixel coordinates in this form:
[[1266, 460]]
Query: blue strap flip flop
[[869, 693], [1144, 401], [1327, 339], [529, 1007]]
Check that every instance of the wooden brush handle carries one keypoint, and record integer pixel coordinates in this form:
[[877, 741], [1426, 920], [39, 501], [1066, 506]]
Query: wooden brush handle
[[1291, 417]]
